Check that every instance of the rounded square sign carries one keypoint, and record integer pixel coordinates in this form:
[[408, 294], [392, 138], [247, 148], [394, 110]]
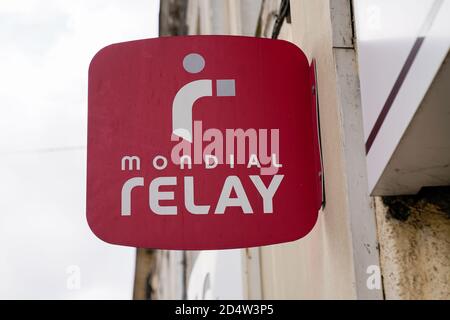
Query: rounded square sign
[[202, 142]]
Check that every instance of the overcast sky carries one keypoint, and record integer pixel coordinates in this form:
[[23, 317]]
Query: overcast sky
[[45, 50]]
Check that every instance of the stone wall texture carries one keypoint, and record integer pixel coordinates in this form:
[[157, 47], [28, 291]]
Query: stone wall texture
[[415, 253]]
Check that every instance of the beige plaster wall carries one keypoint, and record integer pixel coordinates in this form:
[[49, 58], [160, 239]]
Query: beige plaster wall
[[319, 266]]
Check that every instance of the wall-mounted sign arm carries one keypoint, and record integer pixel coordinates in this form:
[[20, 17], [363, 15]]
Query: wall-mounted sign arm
[[316, 120]]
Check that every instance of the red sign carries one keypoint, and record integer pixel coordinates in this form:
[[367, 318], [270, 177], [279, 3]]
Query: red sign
[[202, 142]]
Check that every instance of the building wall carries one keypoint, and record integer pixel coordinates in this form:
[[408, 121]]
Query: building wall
[[232, 17], [410, 154], [341, 257], [331, 262]]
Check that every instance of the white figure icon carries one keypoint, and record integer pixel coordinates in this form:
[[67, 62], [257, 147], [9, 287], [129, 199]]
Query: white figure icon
[[185, 98]]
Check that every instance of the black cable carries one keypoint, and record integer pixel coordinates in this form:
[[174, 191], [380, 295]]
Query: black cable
[[284, 12]]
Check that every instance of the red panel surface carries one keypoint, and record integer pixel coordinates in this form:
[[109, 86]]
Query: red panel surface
[[132, 89]]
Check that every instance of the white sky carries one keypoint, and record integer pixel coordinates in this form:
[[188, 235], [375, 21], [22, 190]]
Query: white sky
[[45, 50]]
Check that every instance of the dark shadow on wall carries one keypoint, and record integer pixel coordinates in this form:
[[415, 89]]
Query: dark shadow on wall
[[172, 18], [401, 207]]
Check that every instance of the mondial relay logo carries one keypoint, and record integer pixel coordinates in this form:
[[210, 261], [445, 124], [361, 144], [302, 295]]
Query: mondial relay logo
[[213, 155]]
